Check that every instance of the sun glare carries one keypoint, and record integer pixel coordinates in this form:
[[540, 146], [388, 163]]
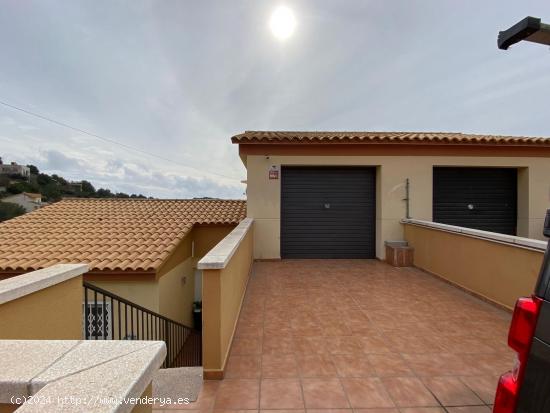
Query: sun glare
[[282, 23]]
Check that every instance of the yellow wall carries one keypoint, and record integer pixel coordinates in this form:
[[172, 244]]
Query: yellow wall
[[172, 292], [223, 292], [496, 271], [177, 292], [143, 293], [54, 313], [263, 194], [207, 236]]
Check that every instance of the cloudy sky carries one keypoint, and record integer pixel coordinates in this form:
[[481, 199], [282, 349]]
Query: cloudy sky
[[177, 79]]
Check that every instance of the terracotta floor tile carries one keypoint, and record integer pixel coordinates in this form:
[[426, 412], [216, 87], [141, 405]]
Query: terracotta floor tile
[[281, 394], [483, 386], [367, 393], [324, 393], [246, 346], [245, 329], [469, 409], [279, 366], [273, 344], [332, 411], [345, 345], [283, 411], [373, 345], [238, 394], [350, 365], [243, 367], [409, 392], [388, 365], [234, 411], [428, 365], [206, 398], [315, 366], [450, 391], [489, 364], [324, 338]]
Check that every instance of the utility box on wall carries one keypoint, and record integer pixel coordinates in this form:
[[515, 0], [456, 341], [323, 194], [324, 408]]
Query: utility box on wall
[[399, 254]]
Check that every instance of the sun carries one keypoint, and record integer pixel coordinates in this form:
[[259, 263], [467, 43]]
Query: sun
[[282, 22]]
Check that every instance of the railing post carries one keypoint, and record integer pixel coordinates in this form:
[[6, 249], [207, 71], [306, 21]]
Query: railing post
[[167, 341]]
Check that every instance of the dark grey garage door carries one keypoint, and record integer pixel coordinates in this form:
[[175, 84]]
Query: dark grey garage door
[[480, 198], [328, 212]]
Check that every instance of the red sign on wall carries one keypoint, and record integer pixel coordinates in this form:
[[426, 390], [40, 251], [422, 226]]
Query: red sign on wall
[[273, 174]]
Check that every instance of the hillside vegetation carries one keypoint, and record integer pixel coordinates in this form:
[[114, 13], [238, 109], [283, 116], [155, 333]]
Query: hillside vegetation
[[54, 187], [51, 187]]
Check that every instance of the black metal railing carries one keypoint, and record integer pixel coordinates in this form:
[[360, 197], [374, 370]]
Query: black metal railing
[[110, 317]]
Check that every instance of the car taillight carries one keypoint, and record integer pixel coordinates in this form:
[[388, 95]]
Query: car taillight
[[520, 336]]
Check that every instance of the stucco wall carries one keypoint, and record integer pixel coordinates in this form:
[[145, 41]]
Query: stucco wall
[[207, 236], [223, 293], [177, 292], [263, 194], [144, 293], [172, 291], [54, 313], [496, 271]]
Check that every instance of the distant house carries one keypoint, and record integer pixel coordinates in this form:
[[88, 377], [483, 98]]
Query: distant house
[[15, 169], [27, 200], [76, 185]]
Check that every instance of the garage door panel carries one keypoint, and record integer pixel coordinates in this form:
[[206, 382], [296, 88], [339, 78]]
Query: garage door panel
[[343, 230], [491, 191]]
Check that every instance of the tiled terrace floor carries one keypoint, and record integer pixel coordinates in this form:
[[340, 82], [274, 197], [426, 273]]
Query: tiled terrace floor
[[361, 335]]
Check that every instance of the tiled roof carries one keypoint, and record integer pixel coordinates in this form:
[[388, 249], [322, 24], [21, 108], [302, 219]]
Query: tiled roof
[[262, 137], [108, 234]]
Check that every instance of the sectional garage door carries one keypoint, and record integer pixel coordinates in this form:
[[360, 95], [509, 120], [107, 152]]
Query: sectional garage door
[[480, 198], [328, 212]]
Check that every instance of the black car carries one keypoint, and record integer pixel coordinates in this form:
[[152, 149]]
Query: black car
[[526, 389]]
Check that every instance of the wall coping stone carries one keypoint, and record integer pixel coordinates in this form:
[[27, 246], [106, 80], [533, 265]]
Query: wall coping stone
[[529, 243], [52, 369], [219, 256], [25, 284]]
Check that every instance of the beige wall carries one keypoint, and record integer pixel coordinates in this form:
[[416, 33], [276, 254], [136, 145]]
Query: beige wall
[[172, 291], [54, 313], [223, 293], [143, 293], [496, 271], [263, 194], [207, 236], [177, 292]]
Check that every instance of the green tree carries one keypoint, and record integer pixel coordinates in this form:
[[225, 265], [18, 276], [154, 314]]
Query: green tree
[[51, 192], [18, 187], [60, 180], [10, 210], [34, 169], [43, 179], [104, 193], [87, 188]]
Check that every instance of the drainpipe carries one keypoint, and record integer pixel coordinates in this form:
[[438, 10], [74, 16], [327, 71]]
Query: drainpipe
[[407, 199]]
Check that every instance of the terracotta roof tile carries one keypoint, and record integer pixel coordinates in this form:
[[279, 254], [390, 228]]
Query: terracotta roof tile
[[109, 234], [297, 137]]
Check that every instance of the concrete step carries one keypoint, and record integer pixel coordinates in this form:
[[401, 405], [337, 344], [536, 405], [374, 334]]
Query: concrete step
[[181, 382]]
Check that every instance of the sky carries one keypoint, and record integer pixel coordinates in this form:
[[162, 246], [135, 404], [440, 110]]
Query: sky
[[175, 79]]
